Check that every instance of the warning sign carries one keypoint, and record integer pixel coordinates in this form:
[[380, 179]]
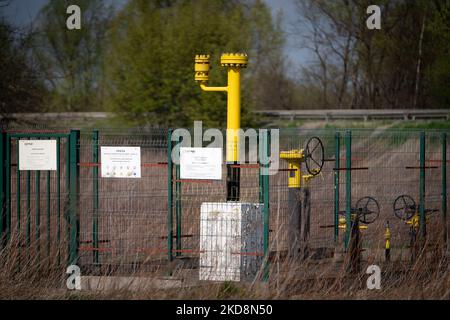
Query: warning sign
[[37, 155], [201, 163], [121, 162]]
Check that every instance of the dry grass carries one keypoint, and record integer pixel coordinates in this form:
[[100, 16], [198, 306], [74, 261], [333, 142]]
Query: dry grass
[[427, 278]]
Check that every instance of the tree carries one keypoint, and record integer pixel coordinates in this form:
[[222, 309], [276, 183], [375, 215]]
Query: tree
[[325, 29], [392, 68], [270, 86], [438, 73], [70, 60], [20, 87], [151, 49]]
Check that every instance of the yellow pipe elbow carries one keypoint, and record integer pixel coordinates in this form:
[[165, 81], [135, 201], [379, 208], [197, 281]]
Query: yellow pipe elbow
[[206, 88]]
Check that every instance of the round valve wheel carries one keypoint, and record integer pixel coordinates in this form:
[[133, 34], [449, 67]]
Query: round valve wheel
[[367, 209], [404, 207], [314, 156]]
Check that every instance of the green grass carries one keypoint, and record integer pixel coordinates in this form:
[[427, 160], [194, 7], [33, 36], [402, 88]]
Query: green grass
[[424, 124], [370, 124]]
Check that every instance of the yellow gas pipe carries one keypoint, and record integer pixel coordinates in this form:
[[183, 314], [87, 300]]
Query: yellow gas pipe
[[387, 238], [234, 62]]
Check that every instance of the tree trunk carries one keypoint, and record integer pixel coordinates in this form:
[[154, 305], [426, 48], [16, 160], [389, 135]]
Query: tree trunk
[[419, 62]]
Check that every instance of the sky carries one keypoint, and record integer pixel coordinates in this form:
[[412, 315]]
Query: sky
[[22, 12]]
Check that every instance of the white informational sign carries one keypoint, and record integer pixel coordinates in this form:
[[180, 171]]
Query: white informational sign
[[121, 162], [37, 154], [201, 163]]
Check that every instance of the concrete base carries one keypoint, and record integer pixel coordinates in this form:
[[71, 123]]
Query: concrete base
[[128, 283]]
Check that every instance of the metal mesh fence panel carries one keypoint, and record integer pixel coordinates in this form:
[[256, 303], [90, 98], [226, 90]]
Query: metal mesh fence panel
[[35, 207], [130, 214]]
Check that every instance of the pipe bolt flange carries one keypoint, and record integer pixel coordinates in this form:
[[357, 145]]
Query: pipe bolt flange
[[202, 67], [234, 60], [202, 58]]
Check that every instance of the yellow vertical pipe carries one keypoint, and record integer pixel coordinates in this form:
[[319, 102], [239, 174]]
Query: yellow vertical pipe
[[234, 62], [233, 114]]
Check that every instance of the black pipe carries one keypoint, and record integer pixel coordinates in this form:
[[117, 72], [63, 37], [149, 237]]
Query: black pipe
[[387, 252], [307, 221], [294, 221], [355, 246], [233, 182], [413, 243]]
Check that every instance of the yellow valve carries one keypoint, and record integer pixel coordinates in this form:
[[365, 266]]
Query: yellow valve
[[387, 237], [414, 221], [309, 177], [360, 227], [343, 224], [294, 159], [234, 62]]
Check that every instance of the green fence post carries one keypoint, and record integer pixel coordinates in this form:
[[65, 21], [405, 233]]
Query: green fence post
[[2, 188], [178, 206], [73, 194], [260, 178], [18, 205], [95, 195], [444, 189], [58, 200], [422, 187], [348, 186], [48, 216], [8, 188], [169, 196], [67, 202], [265, 143], [28, 205], [336, 185], [37, 200]]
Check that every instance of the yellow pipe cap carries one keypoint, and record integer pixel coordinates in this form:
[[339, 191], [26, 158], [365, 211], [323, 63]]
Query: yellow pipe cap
[[202, 67], [239, 60]]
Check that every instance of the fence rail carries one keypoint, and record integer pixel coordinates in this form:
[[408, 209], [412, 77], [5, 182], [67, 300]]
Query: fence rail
[[300, 114], [356, 114]]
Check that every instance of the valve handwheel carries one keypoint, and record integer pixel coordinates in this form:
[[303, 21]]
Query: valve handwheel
[[367, 209], [404, 207], [314, 156]]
